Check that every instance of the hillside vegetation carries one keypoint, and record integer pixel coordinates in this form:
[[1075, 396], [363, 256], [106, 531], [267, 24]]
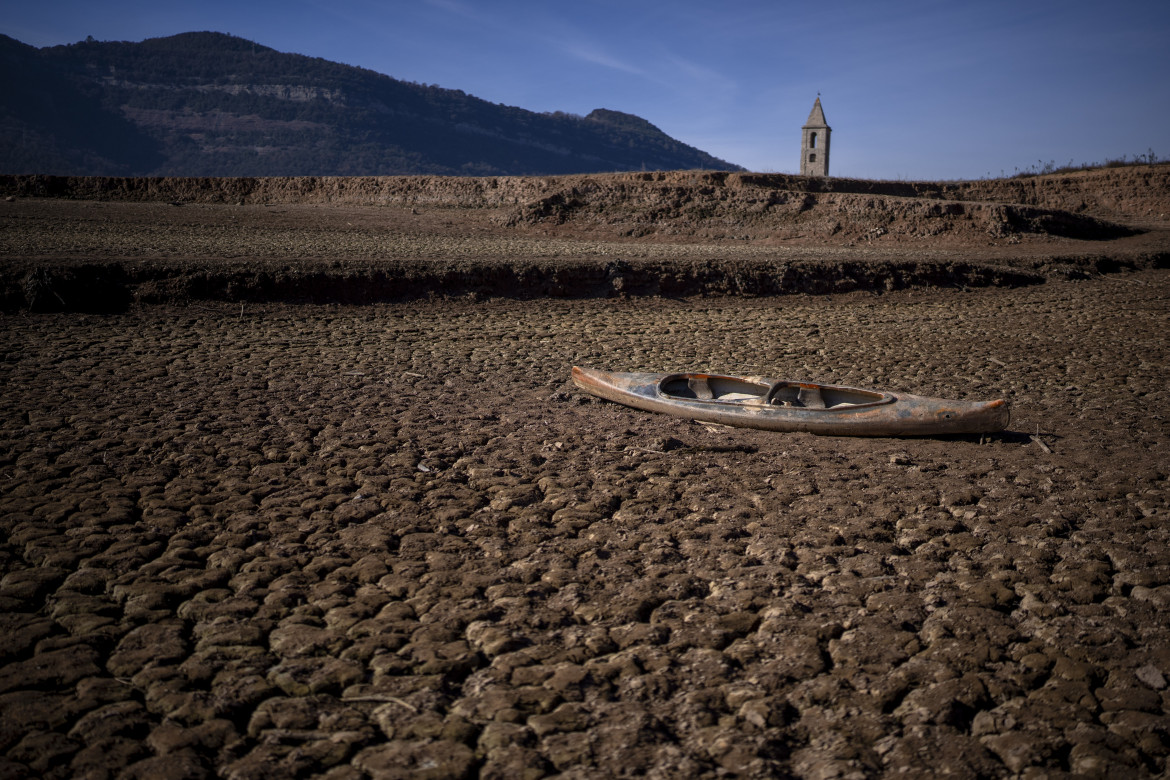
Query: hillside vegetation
[[208, 104]]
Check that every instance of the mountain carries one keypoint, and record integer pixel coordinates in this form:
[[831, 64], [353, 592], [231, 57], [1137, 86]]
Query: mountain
[[210, 104]]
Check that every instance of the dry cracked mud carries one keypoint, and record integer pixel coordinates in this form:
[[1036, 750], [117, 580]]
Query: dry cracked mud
[[249, 530], [393, 541]]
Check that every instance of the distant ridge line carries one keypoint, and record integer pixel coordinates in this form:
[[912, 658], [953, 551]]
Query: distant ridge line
[[212, 104]]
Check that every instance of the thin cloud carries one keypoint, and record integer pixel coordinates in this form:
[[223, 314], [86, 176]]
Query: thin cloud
[[701, 77], [455, 7], [595, 56]]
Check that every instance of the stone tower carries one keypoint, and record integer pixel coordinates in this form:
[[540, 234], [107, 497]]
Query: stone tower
[[814, 143]]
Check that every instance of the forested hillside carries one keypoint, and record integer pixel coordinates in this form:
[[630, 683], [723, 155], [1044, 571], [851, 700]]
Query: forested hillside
[[209, 104]]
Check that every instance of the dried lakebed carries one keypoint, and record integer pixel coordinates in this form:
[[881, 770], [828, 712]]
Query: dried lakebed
[[102, 257], [392, 541]]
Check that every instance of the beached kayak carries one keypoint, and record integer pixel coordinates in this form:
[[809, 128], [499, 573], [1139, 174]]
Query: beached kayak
[[780, 405]]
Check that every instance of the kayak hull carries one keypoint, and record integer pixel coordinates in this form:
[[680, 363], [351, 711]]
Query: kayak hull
[[779, 405]]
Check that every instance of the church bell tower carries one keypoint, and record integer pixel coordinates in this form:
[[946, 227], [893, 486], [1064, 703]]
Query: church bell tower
[[814, 143]]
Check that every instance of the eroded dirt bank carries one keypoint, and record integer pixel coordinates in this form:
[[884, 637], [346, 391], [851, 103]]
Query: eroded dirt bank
[[105, 245], [391, 541], [1128, 194]]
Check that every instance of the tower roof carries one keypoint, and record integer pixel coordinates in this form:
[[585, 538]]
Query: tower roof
[[816, 117]]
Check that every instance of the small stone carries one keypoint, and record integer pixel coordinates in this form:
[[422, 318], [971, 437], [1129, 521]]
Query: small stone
[[568, 749], [567, 717], [514, 763], [1094, 760], [301, 677], [1139, 699], [54, 669], [1151, 676], [191, 707], [283, 713], [1018, 750], [763, 713], [1036, 662], [227, 634], [491, 640], [1068, 669], [171, 737], [87, 580], [997, 721], [20, 632], [567, 676], [295, 640], [27, 584], [149, 645], [174, 766], [42, 749], [497, 736], [417, 760], [124, 718], [242, 691], [343, 772], [107, 757], [1038, 607], [665, 444]]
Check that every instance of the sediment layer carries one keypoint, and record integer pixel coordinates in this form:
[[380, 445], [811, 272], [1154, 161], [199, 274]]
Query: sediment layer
[[94, 244]]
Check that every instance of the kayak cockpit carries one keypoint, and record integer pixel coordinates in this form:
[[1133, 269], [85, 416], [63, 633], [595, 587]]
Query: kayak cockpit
[[738, 390], [706, 387], [813, 396]]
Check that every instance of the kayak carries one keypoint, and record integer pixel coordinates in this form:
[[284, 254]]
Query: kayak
[[782, 405]]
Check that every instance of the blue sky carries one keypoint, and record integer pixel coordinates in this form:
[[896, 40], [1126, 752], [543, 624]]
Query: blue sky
[[912, 90]]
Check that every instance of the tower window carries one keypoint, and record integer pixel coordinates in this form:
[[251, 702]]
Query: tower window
[[812, 142], [812, 158]]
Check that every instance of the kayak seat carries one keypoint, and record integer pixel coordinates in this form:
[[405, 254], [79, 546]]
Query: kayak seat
[[797, 395], [698, 385], [810, 397]]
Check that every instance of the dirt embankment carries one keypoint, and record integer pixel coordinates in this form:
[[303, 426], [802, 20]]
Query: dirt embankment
[[101, 244], [1134, 193]]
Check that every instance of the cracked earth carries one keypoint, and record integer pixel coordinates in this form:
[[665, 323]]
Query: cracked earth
[[393, 541]]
